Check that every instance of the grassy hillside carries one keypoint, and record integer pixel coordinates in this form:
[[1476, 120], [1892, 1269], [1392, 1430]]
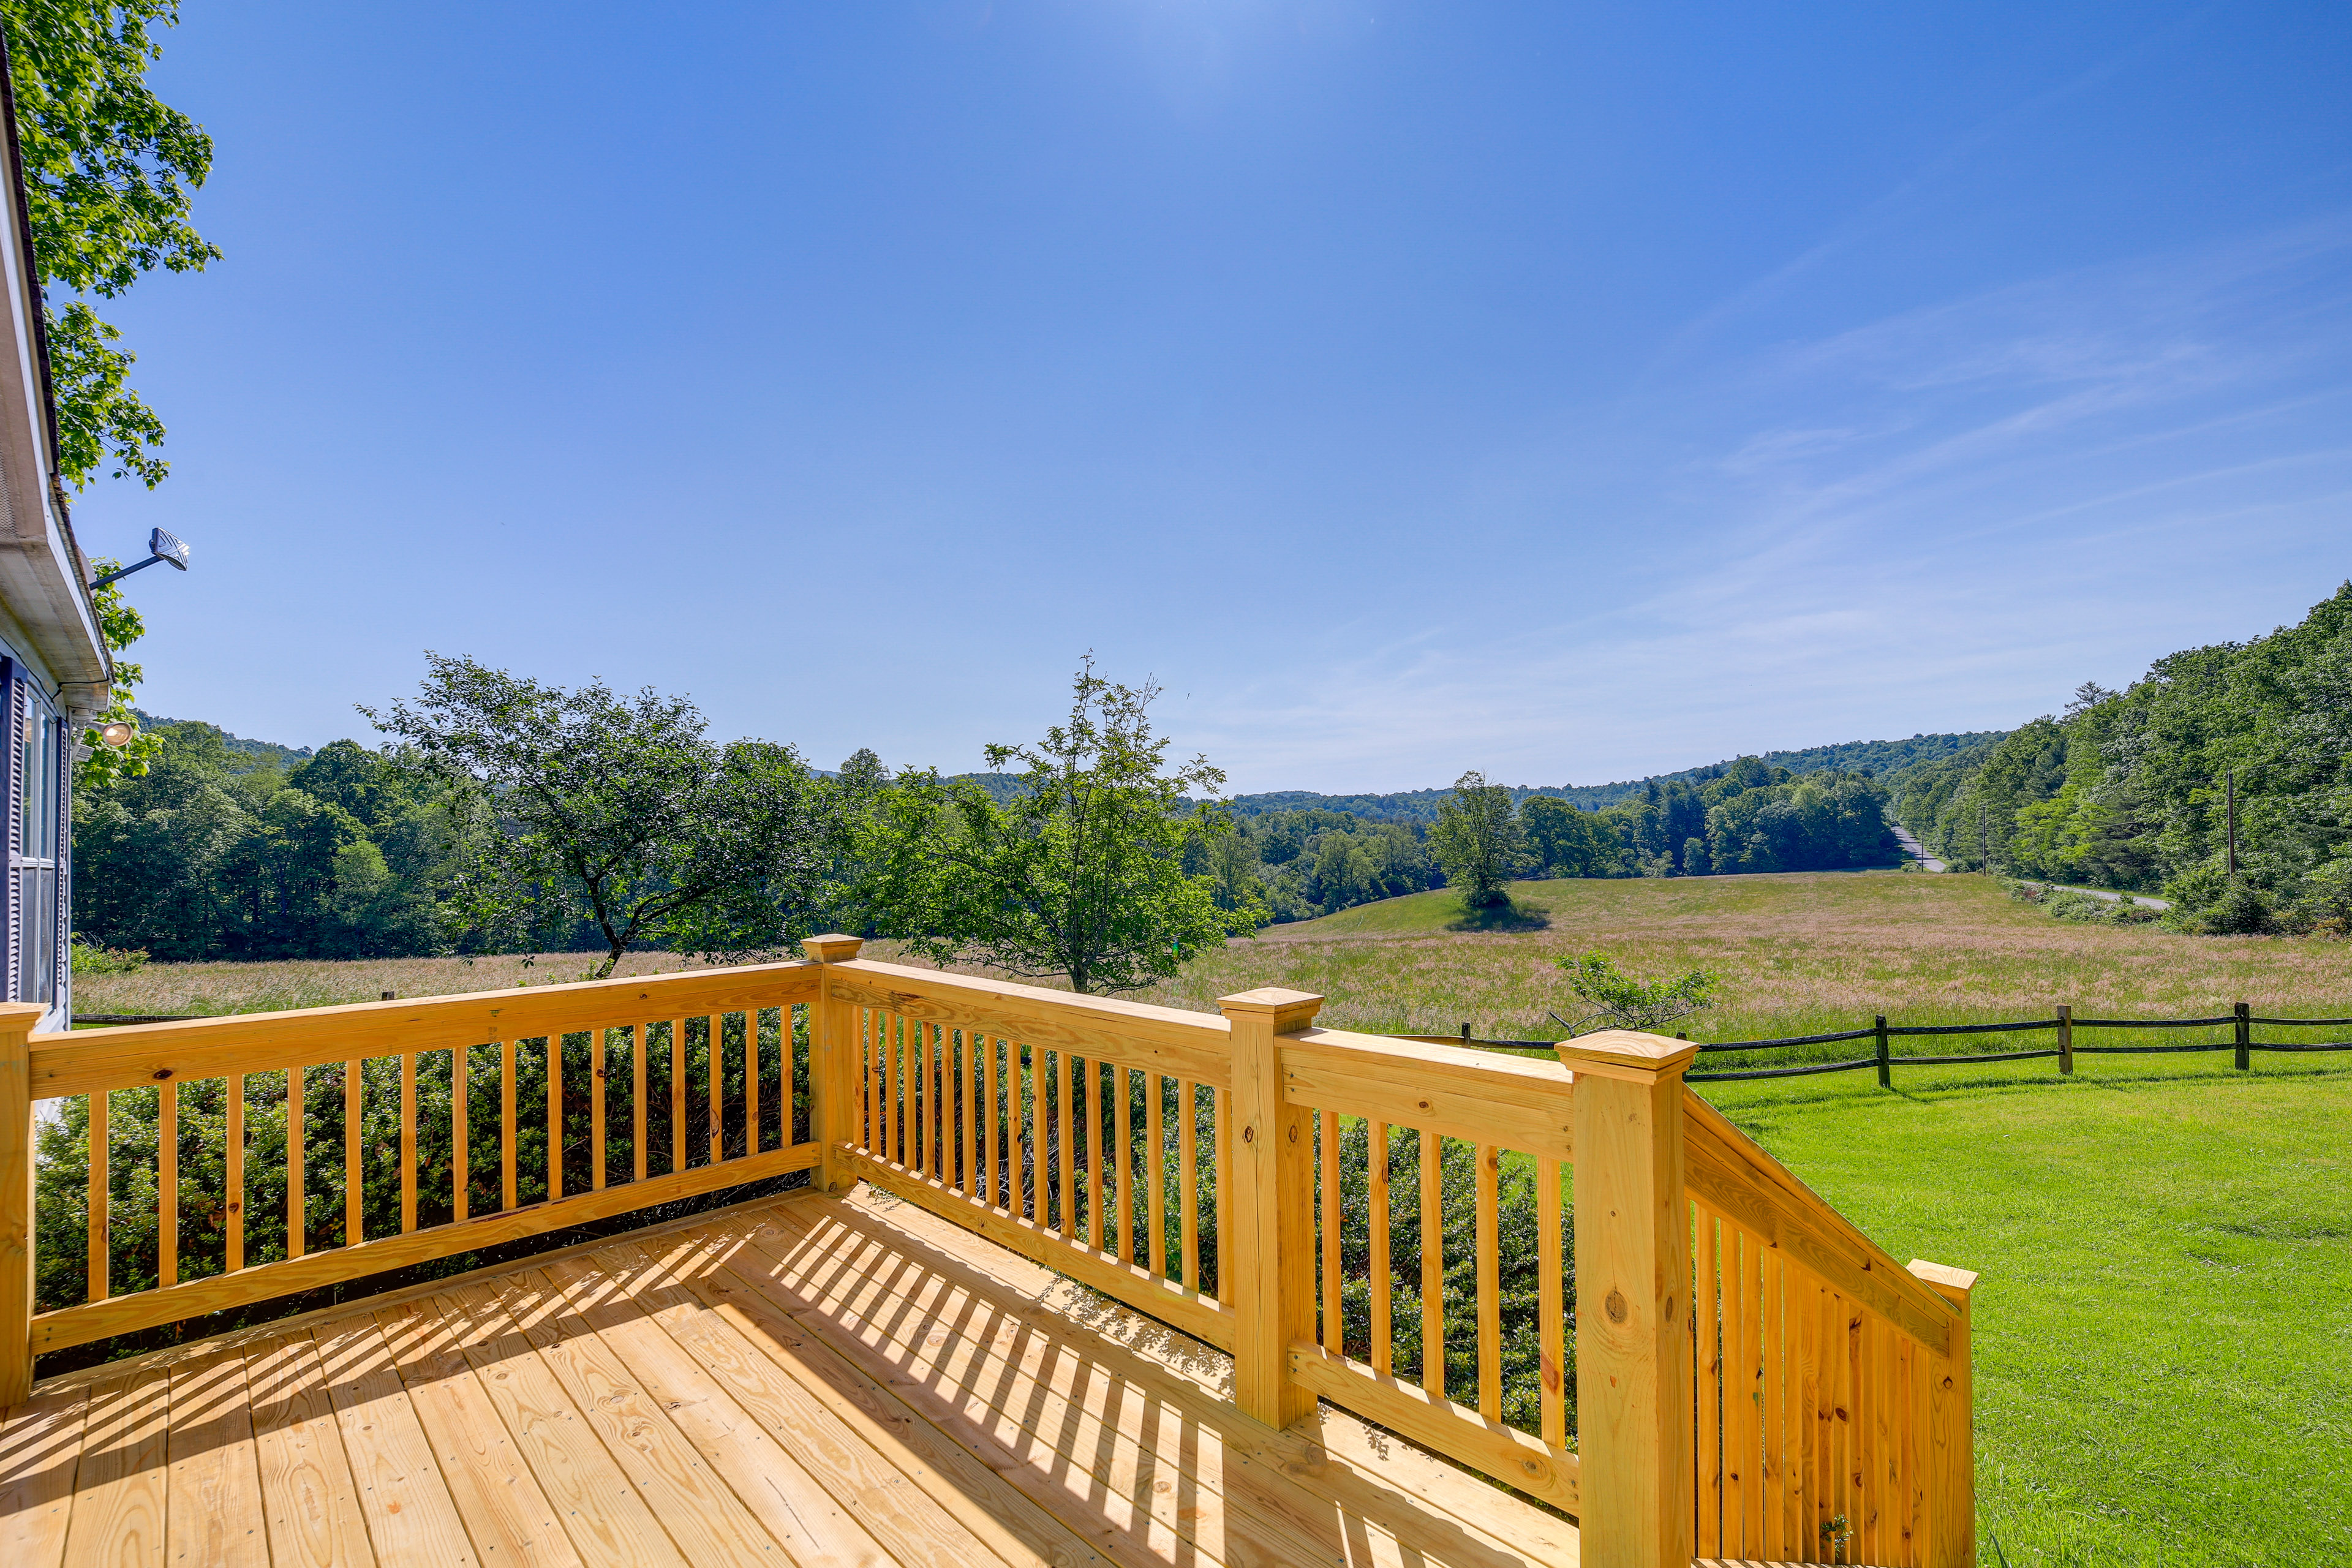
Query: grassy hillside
[[1800, 953]]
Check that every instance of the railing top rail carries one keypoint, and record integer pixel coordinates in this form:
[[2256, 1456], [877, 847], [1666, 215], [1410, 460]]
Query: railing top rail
[[1513, 1102], [1737, 1178], [1183, 1044], [137, 1053]]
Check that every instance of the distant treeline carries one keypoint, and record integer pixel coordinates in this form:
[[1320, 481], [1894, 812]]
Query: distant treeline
[[2129, 789], [1420, 805], [1739, 816], [245, 850]]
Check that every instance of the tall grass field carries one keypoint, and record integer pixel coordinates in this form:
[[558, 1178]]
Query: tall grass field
[[2163, 1335]]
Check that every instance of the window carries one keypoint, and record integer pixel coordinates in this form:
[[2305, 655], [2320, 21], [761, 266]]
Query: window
[[35, 851]]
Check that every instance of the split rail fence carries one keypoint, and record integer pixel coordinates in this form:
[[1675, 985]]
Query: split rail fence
[[1724, 1367]]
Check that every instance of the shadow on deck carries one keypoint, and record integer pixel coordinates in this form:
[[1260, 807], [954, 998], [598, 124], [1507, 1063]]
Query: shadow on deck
[[809, 1380]]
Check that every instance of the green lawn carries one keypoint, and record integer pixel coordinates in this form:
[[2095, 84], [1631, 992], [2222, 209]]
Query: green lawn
[[2164, 1322]]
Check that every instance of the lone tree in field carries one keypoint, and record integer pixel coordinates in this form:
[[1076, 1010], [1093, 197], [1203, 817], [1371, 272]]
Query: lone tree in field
[[1081, 874], [1478, 841], [619, 812]]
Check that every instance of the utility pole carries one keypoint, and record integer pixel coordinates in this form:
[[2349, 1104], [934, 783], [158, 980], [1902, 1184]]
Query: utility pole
[[2230, 776]]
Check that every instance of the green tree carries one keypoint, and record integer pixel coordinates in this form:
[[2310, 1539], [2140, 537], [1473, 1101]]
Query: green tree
[[620, 812], [1079, 873], [1618, 1000], [108, 168], [1478, 840]]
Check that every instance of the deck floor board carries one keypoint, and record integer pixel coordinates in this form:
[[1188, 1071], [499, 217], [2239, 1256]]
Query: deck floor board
[[813, 1381]]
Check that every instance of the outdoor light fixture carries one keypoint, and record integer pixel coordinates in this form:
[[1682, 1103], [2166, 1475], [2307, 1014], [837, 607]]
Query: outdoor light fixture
[[117, 735], [161, 546]]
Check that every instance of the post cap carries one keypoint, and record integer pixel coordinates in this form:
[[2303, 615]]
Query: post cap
[[18, 1017], [1626, 1054], [832, 949], [1952, 1283], [1292, 1010]]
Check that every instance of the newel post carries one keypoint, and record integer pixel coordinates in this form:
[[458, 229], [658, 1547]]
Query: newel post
[[1272, 1249], [17, 1021], [1634, 1377], [1951, 1428], [832, 1064]]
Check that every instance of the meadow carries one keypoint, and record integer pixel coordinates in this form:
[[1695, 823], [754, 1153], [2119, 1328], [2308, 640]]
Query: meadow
[[2163, 1343]]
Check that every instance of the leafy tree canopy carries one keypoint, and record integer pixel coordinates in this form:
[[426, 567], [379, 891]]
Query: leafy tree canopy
[[617, 809], [109, 170], [1080, 873]]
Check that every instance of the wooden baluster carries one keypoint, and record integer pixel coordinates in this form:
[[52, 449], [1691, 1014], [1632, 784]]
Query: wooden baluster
[[1490, 1286], [354, 1175], [1804, 1406], [1841, 1355], [460, 1169], [1707, 1348], [891, 1118], [1156, 1152], [715, 1031], [975, 1177], [297, 1210], [1221, 1103], [752, 1080], [1875, 1445], [1433, 1265], [1030, 1198], [992, 1184], [1739, 1462], [555, 1116], [1826, 1335], [1377, 1222], [1916, 1437], [915, 1045], [938, 1051], [1334, 1294], [167, 1183], [1065, 1085], [235, 1183], [508, 1126], [600, 1054], [1188, 1180], [1122, 1169], [1773, 1362], [101, 1153], [408, 1142], [1551, 1309], [869, 1058], [637, 1042]]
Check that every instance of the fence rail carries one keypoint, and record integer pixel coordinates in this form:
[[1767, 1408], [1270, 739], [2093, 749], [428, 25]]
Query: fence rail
[[2065, 1049]]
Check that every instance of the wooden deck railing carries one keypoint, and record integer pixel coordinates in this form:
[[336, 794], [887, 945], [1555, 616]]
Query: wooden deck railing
[[1718, 1364]]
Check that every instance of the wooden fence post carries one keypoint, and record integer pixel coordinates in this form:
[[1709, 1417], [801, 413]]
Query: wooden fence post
[[2246, 1035], [2065, 1038], [1951, 1430], [1273, 1208], [1634, 1374], [17, 1021], [831, 1069], [1885, 1071]]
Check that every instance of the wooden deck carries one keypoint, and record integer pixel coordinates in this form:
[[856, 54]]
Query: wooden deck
[[810, 1381]]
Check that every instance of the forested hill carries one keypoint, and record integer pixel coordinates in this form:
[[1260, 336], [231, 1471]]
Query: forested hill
[[261, 754], [1420, 805], [2130, 789]]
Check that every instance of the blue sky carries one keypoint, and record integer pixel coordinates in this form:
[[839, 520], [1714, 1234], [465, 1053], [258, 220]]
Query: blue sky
[[1568, 391]]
